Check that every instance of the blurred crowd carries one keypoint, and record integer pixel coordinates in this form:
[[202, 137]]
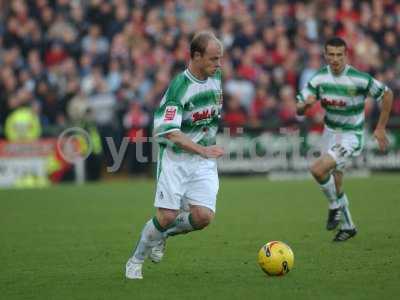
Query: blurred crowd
[[109, 62]]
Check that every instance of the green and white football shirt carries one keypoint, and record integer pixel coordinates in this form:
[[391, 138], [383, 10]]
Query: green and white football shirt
[[192, 106], [343, 96]]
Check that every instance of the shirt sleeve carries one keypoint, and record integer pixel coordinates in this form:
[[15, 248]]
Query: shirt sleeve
[[168, 117], [376, 89], [309, 90]]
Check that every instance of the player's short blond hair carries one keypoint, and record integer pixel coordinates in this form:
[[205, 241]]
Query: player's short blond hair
[[200, 41]]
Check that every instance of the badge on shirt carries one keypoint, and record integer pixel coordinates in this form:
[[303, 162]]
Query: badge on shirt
[[352, 91], [170, 112]]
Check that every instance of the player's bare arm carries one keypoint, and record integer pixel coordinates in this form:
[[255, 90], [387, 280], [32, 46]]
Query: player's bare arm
[[179, 138], [303, 106], [380, 130]]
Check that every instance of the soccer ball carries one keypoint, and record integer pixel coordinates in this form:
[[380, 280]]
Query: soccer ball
[[275, 258]]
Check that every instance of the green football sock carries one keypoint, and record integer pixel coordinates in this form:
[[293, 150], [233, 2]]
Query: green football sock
[[183, 224]]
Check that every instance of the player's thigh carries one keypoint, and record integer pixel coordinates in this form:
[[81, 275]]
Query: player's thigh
[[203, 187], [170, 185]]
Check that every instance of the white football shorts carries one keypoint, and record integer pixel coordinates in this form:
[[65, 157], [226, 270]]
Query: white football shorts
[[184, 179], [342, 146]]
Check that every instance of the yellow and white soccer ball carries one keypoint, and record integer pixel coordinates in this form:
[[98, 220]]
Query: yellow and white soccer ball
[[276, 258]]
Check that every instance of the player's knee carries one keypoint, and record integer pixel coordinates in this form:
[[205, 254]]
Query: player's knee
[[202, 218], [166, 217], [166, 220], [202, 222], [317, 171]]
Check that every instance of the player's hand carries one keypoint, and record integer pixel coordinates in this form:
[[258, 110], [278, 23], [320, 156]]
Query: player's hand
[[213, 152], [380, 135], [300, 108]]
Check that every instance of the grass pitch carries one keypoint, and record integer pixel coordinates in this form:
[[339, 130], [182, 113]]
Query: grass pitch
[[69, 242]]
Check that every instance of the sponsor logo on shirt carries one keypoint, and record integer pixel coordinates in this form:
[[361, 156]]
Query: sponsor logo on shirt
[[333, 102], [203, 115], [170, 112]]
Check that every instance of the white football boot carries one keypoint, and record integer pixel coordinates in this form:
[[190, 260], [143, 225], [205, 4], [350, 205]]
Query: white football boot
[[133, 269]]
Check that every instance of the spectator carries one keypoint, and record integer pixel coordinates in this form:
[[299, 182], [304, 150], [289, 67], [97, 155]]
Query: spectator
[[136, 123], [234, 116]]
